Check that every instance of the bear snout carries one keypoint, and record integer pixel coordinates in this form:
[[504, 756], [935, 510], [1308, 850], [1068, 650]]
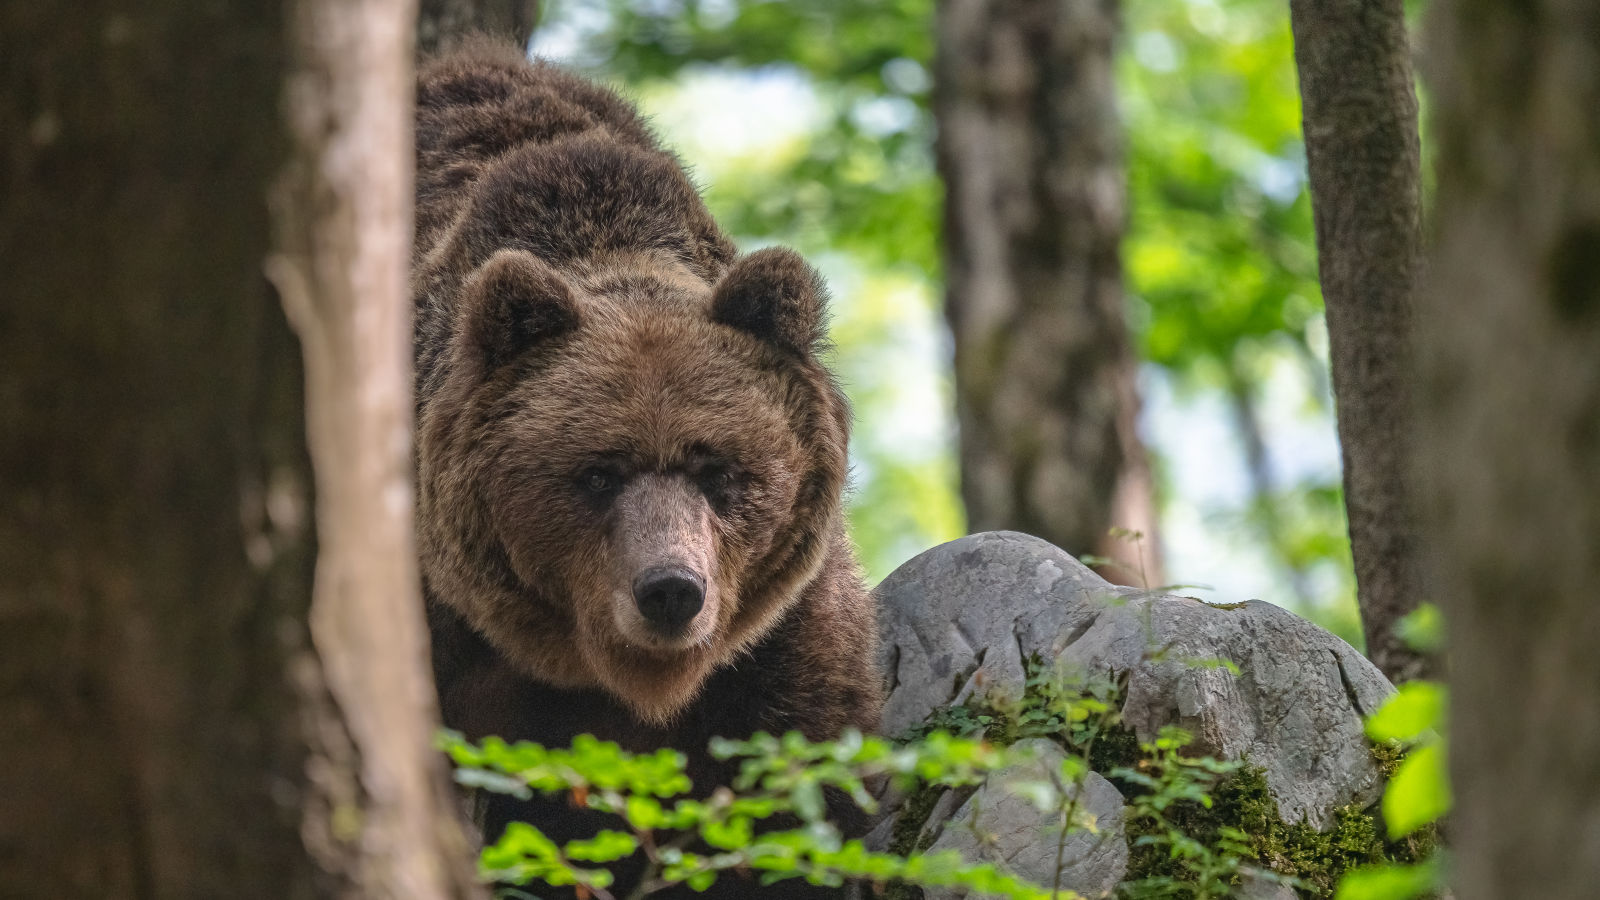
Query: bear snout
[[669, 597]]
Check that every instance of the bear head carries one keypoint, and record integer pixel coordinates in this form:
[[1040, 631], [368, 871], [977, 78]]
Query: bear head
[[628, 472]]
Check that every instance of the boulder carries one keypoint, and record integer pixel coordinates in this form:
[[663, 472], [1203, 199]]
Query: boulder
[[961, 619], [997, 825]]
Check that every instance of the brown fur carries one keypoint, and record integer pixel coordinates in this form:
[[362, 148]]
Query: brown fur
[[582, 321]]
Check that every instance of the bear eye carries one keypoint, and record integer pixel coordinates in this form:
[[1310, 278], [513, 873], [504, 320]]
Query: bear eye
[[599, 481], [720, 483]]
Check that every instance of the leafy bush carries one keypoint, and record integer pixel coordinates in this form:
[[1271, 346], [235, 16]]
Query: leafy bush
[[1417, 796], [690, 841], [1197, 827]]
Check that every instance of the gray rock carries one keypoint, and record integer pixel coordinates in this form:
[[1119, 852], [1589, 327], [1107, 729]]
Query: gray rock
[[1017, 836], [1253, 885], [949, 618], [960, 619]]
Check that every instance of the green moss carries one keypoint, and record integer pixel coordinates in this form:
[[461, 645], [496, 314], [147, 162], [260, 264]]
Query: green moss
[[1240, 605], [1315, 859], [1116, 747], [904, 840], [1387, 756], [912, 817]]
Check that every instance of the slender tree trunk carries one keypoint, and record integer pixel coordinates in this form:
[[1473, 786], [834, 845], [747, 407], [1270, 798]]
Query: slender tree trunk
[[1510, 449], [1360, 112], [1029, 149], [343, 222], [174, 728], [439, 22]]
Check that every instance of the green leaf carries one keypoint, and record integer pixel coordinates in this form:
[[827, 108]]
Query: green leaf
[[605, 846], [808, 803], [1416, 709], [1423, 629], [1419, 792], [494, 782], [1390, 881]]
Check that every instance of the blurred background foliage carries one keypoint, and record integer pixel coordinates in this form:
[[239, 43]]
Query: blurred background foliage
[[808, 123]]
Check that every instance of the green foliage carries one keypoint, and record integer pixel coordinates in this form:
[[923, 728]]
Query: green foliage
[[1410, 729], [692, 841], [1423, 629], [1197, 827], [1393, 882], [1242, 805], [1163, 786]]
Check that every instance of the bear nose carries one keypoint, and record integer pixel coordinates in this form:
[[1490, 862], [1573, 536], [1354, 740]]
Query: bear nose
[[669, 596]]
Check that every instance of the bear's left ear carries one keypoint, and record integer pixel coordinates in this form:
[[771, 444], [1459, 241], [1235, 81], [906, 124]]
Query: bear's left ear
[[774, 295]]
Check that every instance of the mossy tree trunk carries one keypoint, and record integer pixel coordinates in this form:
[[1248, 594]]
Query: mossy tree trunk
[[1510, 451], [181, 720], [1360, 112], [1030, 152]]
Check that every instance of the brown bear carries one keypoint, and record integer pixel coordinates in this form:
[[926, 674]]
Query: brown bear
[[630, 451]]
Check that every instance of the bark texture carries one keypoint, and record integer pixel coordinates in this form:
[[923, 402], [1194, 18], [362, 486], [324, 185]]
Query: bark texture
[[1510, 452], [1360, 118], [174, 728], [155, 536], [1029, 150], [439, 22], [383, 815]]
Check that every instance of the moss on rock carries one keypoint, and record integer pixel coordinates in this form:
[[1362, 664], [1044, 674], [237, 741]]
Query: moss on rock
[[1314, 859]]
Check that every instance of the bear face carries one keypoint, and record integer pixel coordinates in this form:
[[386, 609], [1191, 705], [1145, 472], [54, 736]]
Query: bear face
[[627, 472]]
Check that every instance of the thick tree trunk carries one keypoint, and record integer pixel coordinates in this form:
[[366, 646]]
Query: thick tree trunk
[[439, 22], [1360, 113], [1029, 149], [155, 536], [1510, 451], [174, 729], [343, 217]]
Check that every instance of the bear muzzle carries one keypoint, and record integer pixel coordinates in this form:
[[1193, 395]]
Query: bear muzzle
[[665, 550], [669, 597]]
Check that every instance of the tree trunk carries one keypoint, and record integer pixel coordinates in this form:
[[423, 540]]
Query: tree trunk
[[174, 729], [1360, 113], [1510, 448], [155, 538], [441, 22], [1029, 149], [343, 222]]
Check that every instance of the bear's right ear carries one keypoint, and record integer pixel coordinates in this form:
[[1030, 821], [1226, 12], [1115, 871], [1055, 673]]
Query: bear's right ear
[[513, 303]]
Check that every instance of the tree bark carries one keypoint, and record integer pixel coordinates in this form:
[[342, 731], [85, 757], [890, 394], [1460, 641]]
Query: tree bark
[[174, 728], [1029, 150], [441, 22], [1510, 448], [343, 223], [155, 538], [1360, 120]]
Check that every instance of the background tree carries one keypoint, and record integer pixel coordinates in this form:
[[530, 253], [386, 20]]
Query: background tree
[[440, 20], [1510, 450], [1030, 152], [184, 718], [1360, 109]]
